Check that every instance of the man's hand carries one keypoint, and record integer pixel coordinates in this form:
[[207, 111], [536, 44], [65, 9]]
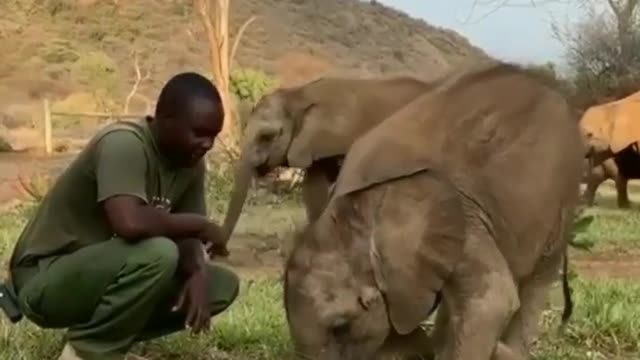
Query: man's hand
[[213, 239], [195, 297]]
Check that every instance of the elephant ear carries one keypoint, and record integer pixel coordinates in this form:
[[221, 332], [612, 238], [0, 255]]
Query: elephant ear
[[399, 146], [417, 239], [418, 229], [323, 126], [625, 129]]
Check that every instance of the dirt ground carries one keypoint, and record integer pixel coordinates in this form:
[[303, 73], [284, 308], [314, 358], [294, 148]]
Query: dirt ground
[[610, 264], [256, 253]]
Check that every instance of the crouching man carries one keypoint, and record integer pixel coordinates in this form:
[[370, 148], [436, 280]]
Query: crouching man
[[114, 253]]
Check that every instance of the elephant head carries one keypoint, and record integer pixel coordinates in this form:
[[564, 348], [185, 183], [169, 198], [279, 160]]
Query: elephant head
[[609, 128], [296, 126], [349, 283]]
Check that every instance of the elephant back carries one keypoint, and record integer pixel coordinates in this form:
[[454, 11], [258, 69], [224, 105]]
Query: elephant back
[[501, 135]]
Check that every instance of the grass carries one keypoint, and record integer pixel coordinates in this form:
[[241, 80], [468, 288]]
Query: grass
[[605, 323], [614, 229]]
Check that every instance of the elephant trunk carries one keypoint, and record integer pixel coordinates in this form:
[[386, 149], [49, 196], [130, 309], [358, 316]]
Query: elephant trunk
[[242, 178]]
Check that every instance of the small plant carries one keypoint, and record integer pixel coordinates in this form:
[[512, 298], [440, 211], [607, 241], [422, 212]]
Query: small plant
[[580, 226]]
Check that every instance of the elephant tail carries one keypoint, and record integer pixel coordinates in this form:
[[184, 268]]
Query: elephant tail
[[566, 290]]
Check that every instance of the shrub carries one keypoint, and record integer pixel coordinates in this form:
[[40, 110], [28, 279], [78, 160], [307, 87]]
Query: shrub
[[250, 84], [581, 226]]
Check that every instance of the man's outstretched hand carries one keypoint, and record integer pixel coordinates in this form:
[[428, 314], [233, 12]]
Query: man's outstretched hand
[[194, 297], [214, 241]]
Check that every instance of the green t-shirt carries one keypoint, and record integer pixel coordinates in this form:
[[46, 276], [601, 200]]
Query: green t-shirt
[[122, 158]]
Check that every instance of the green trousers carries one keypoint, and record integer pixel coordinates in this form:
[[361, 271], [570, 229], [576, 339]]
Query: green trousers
[[113, 294]]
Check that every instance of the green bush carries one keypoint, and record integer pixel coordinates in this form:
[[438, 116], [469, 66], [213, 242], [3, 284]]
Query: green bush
[[581, 225], [250, 84]]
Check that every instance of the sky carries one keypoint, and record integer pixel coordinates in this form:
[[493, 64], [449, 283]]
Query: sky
[[521, 34]]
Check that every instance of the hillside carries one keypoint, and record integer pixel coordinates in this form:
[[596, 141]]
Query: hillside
[[82, 48]]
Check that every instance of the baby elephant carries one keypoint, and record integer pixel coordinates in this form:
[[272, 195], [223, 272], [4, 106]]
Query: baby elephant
[[456, 196]]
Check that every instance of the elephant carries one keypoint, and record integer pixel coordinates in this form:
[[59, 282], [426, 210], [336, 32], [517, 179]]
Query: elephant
[[311, 127], [612, 130], [621, 168], [439, 207]]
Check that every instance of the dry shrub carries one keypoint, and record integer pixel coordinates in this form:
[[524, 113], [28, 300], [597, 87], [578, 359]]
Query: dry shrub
[[77, 102]]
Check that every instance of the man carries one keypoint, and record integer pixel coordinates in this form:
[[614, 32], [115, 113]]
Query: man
[[114, 252]]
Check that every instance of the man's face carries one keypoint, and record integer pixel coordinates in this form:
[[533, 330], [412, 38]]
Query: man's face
[[187, 139]]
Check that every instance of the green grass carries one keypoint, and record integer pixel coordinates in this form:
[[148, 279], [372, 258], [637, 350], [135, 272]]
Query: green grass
[[614, 229], [605, 323]]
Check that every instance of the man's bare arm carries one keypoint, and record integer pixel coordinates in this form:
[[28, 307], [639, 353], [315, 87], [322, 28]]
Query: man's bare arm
[[192, 256], [121, 168], [134, 220]]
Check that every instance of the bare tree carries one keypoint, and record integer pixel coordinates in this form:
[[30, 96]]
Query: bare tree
[[625, 13], [214, 15], [136, 84], [599, 50]]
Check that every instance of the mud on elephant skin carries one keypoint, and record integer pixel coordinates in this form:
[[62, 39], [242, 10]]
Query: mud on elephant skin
[[311, 127], [414, 214]]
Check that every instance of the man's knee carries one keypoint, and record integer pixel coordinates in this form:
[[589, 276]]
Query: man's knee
[[158, 251], [224, 287]]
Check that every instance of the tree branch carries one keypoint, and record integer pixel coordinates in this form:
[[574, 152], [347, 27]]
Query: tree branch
[[136, 84], [236, 41]]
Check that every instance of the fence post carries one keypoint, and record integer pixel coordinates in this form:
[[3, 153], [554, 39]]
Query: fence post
[[47, 128]]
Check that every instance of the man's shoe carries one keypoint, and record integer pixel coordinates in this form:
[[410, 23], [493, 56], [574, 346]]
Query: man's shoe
[[69, 354]]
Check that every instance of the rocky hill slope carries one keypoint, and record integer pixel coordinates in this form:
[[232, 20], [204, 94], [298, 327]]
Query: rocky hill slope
[[83, 48]]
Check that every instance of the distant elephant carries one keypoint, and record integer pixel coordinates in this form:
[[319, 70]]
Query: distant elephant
[[621, 168], [311, 127], [611, 131], [442, 201]]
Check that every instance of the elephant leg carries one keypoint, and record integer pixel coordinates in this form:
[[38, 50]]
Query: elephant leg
[[482, 297], [442, 328], [621, 190], [315, 191], [596, 178], [523, 328]]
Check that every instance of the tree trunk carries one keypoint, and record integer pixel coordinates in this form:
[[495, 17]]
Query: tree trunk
[[216, 23]]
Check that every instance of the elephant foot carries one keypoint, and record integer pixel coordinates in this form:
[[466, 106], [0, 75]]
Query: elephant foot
[[624, 205]]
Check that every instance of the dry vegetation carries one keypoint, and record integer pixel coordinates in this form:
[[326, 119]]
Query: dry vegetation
[[80, 52]]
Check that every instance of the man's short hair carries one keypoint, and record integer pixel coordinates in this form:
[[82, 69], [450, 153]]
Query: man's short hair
[[177, 95]]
